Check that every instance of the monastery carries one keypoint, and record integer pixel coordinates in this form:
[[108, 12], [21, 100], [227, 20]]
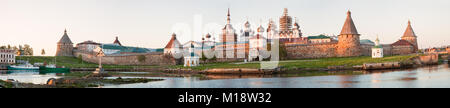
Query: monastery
[[234, 46]]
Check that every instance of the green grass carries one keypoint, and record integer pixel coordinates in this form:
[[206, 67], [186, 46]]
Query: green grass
[[6, 84], [348, 61], [309, 63], [72, 62]]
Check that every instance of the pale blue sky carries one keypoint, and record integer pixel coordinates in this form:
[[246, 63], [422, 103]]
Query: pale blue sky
[[149, 23]]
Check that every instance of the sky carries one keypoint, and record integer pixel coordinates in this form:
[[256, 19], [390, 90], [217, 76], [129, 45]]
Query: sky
[[150, 23]]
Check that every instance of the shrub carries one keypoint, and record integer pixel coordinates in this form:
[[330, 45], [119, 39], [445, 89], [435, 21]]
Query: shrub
[[141, 58]]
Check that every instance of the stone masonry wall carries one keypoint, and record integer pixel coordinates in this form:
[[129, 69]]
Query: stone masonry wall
[[366, 50], [311, 50], [348, 45], [387, 50], [402, 50], [151, 59], [64, 50]]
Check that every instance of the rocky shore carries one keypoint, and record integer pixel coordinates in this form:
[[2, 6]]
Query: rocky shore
[[416, 61], [88, 81]]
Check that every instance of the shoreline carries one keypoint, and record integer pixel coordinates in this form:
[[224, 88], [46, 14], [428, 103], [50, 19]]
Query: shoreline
[[414, 62], [82, 82]]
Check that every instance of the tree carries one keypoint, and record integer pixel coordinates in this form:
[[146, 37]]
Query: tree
[[203, 58], [15, 48], [80, 58], [42, 52], [283, 52], [141, 58], [27, 50]]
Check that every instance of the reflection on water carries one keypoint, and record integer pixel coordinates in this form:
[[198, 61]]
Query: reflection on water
[[27, 76], [432, 76]]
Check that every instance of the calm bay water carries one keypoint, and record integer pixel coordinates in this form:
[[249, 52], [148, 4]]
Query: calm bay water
[[28, 76], [430, 76]]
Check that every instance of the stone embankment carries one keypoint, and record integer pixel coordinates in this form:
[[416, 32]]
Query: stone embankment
[[118, 69], [227, 71], [386, 65], [429, 59]]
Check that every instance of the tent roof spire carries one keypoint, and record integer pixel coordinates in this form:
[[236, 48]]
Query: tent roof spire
[[409, 31], [349, 26]]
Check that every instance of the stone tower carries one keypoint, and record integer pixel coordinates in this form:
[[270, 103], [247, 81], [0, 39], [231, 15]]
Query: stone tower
[[348, 44], [410, 36], [64, 46]]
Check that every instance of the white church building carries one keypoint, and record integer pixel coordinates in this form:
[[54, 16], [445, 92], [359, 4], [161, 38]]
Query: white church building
[[192, 59], [377, 50]]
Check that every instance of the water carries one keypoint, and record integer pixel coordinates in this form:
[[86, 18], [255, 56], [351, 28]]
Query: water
[[27, 76], [431, 76]]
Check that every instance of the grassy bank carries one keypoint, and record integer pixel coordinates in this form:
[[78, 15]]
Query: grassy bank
[[73, 62], [310, 63], [4, 84]]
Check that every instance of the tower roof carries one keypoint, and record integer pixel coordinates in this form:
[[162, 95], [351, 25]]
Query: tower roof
[[409, 31], [228, 25], [173, 42], [260, 28], [285, 13], [349, 27], [208, 36], [402, 43], [228, 16], [117, 41], [247, 24], [65, 38]]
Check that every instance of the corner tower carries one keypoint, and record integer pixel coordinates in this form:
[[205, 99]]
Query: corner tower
[[410, 36], [64, 46], [348, 44]]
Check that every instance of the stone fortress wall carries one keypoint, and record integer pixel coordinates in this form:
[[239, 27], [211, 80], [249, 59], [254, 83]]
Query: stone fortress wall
[[302, 51], [131, 59]]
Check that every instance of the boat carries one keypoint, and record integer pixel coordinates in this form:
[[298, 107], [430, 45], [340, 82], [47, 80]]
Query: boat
[[53, 69], [23, 67]]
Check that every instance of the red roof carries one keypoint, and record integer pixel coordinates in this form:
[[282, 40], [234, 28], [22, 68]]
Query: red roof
[[409, 31], [117, 41], [349, 26], [172, 42], [89, 42], [402, 43]]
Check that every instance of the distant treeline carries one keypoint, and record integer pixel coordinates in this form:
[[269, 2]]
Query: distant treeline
[[21, 50]]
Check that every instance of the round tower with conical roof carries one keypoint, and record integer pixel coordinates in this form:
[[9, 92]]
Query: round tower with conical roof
[[64, 46], [410, 36], [348, 44]]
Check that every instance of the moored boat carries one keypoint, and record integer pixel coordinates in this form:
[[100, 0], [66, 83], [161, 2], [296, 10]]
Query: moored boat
[[53, 68], [23, 67]]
